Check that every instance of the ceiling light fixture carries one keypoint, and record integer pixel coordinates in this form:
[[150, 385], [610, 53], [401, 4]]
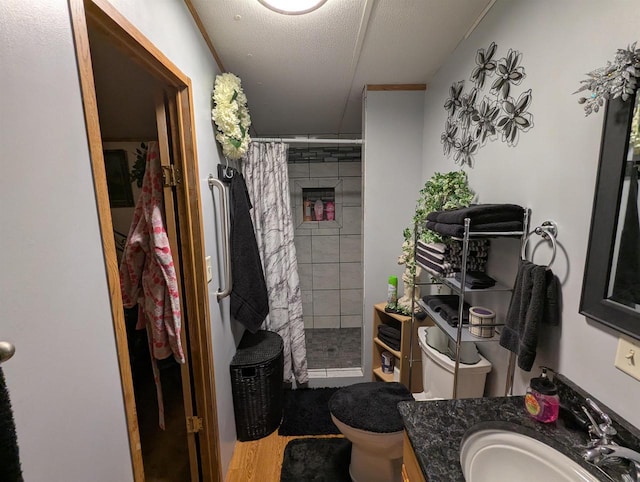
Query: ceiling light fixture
[[292, 7]]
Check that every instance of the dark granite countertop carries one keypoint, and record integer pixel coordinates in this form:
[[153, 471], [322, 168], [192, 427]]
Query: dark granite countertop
[[436, 429]]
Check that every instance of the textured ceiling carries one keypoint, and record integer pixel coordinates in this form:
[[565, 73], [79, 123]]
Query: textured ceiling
[[304, 74]]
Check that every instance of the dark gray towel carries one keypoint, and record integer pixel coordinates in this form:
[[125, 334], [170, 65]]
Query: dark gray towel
[[457, 230], [249, 298], [390, 342], [10, 470], [476, 280], [535, 300], [479, 214], [389, 331]]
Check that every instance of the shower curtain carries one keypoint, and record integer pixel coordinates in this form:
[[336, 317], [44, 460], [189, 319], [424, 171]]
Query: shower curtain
[[265, 171]]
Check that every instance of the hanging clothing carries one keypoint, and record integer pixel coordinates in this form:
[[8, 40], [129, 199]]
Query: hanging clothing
[[265, 170], [147, 273]]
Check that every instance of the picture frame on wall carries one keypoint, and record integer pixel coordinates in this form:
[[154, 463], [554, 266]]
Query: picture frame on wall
[[118, 182]]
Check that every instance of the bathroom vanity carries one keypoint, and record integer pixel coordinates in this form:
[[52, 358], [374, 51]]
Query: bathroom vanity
[[435, 431]]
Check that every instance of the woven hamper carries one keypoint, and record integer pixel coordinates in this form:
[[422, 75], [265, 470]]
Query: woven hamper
[[256, 384]]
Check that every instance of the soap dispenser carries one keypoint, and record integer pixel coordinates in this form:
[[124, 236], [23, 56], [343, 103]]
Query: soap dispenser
[[542, 401]]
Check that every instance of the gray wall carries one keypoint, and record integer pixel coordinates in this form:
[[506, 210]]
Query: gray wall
[[552, 170], [393, 123], [64, 379]]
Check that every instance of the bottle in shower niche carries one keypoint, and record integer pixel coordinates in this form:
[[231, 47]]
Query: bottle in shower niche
[[318, 209], [392, 294], [330, 211], [306, 214]]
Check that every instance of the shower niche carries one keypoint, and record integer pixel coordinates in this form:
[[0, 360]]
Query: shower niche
[[318, 204]]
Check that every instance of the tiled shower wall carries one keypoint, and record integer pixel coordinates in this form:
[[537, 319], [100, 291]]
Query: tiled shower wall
[[330, 252]]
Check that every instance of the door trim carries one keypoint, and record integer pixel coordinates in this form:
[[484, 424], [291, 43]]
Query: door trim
[[102, 15]]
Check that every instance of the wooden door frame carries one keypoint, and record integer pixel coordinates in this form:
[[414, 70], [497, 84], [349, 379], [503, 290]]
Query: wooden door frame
[[102, 15]]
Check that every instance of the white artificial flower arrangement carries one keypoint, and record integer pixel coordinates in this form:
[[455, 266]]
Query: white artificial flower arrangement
[[231, 116]]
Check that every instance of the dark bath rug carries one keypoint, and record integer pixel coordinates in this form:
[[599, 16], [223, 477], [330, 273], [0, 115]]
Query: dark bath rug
[[316, 460], [306, 412]]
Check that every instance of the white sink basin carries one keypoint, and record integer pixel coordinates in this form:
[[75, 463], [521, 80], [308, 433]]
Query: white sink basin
[[496, 455]]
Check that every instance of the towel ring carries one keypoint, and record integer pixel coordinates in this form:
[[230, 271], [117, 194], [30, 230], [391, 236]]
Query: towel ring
[[548, 230]]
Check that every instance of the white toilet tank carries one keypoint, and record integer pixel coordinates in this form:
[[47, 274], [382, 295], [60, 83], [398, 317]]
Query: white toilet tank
[[438, 370]]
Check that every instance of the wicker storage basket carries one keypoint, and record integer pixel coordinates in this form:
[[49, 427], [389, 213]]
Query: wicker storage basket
[[256, 384]]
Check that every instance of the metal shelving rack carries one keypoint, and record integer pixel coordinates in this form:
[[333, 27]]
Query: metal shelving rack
[[461, 332]]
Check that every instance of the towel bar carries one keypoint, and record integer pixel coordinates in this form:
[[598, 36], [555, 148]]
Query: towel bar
[[6, 351], [213, 182]]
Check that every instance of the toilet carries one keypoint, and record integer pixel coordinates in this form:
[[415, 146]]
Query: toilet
[[367, 415], [438, 368]]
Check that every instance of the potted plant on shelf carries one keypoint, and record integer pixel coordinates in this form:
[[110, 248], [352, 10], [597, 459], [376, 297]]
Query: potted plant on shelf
[[442, 191]]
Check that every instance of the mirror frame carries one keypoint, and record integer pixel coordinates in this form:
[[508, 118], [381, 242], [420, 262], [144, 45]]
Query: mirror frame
[[594, 303]]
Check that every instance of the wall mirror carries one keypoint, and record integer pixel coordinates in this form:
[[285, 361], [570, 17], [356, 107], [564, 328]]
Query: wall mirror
[[611, 285]]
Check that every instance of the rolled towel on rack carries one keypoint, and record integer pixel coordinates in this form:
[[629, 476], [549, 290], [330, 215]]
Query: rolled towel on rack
[[476, 279], [447, 307], [439, 248]]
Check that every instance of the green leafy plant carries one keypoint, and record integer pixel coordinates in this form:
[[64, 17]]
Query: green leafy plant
[[137, 171], [442, 191]]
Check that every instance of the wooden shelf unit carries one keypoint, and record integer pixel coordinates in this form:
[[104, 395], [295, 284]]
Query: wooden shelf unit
[[410, 376]]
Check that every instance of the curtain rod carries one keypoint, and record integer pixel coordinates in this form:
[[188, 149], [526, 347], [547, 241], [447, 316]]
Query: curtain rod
[[305, 140]]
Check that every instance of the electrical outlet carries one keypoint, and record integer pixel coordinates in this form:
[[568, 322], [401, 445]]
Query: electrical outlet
[[209, 270], [628, 358]]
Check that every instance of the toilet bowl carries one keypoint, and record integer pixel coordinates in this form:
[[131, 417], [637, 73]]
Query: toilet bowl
[[367, 415], [438, 368]]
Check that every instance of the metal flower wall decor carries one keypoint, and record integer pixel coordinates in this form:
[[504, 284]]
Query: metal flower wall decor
[[617, 79], [489, 109]]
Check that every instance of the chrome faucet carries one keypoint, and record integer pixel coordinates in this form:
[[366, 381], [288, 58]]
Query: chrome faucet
[[601, 433], [602, 448], [601, 453]]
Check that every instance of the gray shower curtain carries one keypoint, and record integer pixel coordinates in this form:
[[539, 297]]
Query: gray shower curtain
[[265, 171]]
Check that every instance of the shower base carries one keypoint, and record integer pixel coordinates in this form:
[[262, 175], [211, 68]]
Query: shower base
[[334, 347]]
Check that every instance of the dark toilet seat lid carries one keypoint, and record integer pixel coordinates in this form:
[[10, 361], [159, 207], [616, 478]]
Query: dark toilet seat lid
[[370, 406]]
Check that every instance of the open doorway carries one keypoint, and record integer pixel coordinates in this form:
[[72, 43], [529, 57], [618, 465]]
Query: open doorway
[[127, 95], [135, 94]]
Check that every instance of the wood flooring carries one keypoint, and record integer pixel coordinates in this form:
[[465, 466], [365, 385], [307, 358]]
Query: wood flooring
[[260, 460]]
